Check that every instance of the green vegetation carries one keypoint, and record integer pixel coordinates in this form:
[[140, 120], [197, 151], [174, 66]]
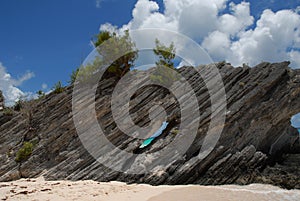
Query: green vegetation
[[73, 76], [166, 54], [115, 47], [102, 37], [86, 73], [175, 131], [40, 94], [118, 46], [58, 88], [24, 152], [165, 73]]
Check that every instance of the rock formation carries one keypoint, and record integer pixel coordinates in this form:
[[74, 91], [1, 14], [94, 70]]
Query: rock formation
[[257, 144]]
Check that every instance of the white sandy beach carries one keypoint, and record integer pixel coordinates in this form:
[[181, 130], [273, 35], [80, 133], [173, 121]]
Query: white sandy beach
[[41, 190]]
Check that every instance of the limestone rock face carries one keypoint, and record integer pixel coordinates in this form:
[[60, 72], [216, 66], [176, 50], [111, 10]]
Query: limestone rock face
[[257, 143]]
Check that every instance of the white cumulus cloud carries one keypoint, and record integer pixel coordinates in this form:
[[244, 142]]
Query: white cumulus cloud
[[217, 44], [9, 85], [273, 36], [238, 20], [226, 34]]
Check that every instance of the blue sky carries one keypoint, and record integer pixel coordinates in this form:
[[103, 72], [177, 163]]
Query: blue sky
[[41, 42], [51, 38]]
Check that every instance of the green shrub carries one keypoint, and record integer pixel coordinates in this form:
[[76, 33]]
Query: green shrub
[[175, 131], [40, 94], [88, 73], [24, 152], [73, 76], [116, 45], [166, 54], [165, 72], [58, 88]]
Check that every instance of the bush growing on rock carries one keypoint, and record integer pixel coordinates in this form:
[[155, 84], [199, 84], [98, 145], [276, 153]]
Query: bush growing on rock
[[166, 54], [73, 76], [40, 94], [84, 74], [24, 152], [117, 45], [58, 88], [165, 72]]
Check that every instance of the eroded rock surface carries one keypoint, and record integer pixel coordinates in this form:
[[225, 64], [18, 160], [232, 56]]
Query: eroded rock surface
[[257, 143]]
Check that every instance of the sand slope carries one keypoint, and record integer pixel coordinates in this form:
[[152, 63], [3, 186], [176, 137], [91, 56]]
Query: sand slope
[[41, 190]]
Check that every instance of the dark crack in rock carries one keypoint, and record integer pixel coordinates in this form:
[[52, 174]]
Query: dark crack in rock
[[257, 143]]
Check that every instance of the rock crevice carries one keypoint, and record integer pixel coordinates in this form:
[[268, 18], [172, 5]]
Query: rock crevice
[[257, 143]]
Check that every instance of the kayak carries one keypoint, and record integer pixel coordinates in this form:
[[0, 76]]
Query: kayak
[[148, 141]]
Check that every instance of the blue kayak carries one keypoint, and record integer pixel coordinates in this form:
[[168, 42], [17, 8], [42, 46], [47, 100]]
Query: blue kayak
[[155, 135], [147, 142]]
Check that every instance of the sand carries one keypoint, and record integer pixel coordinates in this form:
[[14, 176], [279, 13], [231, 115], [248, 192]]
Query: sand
[[41, 190]]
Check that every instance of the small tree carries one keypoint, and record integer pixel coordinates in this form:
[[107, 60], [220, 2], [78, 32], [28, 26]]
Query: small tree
[[121, 46], [102, 37], [118, 45], [40, 94], [24, 152], [73, 76], [166, 54], [85, 74], [165, 73], [58, 88]]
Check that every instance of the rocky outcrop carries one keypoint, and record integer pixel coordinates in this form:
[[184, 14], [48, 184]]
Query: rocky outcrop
[[257, 143]]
